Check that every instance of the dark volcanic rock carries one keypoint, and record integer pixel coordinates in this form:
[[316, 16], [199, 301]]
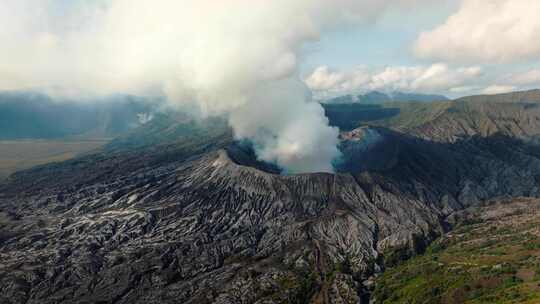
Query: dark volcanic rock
[[207, 229], [202, 221]]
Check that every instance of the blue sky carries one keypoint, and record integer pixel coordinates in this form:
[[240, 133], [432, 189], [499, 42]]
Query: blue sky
[[499, 31], [387, 41]]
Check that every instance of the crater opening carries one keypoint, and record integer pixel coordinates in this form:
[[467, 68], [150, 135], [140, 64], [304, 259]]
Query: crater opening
[[243, 153]]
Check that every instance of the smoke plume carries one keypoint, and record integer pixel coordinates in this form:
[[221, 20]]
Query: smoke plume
[[236, 57]]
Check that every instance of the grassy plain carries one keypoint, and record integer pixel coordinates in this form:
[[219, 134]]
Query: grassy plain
[[17, 155]]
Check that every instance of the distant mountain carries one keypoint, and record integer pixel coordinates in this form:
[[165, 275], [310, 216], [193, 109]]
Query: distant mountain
[[400, 96], [514, 114], [35, 115], [530, 96], [376, 97], [349, 116]]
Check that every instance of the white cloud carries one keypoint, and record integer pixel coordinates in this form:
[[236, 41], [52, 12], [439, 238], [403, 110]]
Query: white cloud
[[464, 89], [498, 89], [487, 31], [531, 77], [438, 78], [325, 79]]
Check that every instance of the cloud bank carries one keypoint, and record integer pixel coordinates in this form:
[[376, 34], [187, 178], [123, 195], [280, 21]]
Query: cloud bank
[[238, 58], [435, 78], [530, 77], [498, 89], [485, 31]]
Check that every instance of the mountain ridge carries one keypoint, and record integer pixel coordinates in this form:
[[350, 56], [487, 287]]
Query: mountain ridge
[[376, 97]]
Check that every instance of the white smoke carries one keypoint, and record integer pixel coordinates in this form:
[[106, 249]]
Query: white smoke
[[145, 118], [235, 57]]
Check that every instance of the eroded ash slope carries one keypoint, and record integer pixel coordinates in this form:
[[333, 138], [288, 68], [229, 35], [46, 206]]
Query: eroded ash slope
[[206, 223]]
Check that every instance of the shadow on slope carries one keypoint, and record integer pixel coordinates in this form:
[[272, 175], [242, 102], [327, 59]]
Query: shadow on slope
[[351, 116]]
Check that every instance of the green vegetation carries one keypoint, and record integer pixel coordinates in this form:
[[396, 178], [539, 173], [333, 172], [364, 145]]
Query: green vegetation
[[496, 261], [299, 289], [414, 114]]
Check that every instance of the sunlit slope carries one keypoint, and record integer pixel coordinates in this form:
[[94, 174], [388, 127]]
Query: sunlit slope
[[514, 114]]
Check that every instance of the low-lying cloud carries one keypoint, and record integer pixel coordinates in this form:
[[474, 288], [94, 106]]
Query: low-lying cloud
[[498, 89], [435, 78], [530, 77]]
